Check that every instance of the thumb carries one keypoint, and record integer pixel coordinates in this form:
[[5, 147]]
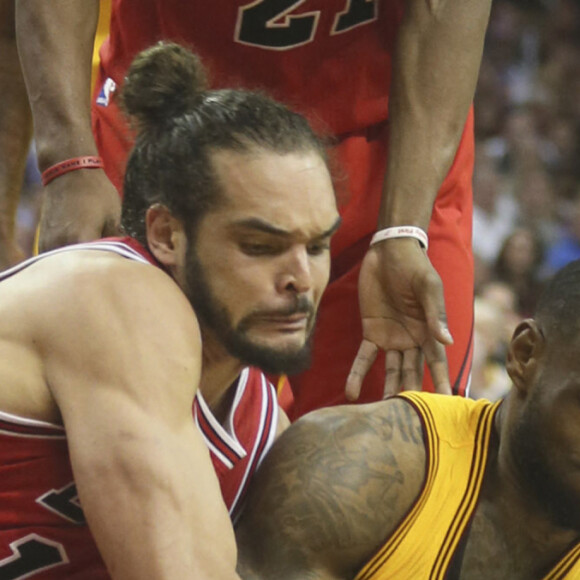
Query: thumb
[[433, 303]]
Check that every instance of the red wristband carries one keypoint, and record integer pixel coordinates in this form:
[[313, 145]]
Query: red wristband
[[86, 162]]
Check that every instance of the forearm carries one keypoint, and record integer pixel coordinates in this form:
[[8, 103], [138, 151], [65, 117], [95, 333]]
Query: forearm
[[155, 509], [55, 42], [435, 69], [15, 122]]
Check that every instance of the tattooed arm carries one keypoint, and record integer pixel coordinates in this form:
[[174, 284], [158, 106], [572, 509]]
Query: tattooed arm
[[330, 492]]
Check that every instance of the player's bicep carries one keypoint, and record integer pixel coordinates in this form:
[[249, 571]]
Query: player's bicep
[[284, 509]]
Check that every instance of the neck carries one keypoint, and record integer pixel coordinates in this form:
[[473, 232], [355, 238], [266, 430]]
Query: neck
[[521, 516], [219, 372]]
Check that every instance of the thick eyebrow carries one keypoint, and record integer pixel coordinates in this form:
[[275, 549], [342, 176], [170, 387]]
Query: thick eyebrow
[[268, 228]]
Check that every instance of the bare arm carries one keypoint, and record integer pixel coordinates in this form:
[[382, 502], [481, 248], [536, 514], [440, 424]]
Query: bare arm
[[436, 66], [124, 373], [435, 69], [330, 492], [55, 42], [15, 133]]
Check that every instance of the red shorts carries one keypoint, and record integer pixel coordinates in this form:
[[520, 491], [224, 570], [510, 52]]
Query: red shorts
[[362, 157]]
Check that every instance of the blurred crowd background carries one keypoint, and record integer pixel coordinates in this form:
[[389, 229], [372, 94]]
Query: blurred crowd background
[[526, 178], [527, 170]]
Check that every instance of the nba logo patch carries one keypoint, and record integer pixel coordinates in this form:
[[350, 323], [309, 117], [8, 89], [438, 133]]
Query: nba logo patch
[[108, 88]]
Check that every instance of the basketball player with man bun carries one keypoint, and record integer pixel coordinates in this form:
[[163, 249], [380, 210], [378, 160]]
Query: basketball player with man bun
[[126, 398]]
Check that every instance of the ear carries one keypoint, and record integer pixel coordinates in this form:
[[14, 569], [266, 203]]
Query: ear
[[524, 351], [165, 236]]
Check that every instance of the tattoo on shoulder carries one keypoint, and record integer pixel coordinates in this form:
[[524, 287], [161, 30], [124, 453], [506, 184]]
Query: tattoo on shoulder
[[337, 482], [407, 421]]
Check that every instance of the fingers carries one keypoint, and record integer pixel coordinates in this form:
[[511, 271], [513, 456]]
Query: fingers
[[393, 363], [437, 362], [367, 353], [50, 238], [403, 370], [433, 302], [56, 233], [413, 369]]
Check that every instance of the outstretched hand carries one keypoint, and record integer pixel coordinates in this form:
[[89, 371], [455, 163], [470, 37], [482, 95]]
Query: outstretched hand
[[403, 313], [80, 206]]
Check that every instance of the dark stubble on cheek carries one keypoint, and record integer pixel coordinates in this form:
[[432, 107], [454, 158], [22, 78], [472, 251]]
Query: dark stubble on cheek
[[532, 456], [213, 315]]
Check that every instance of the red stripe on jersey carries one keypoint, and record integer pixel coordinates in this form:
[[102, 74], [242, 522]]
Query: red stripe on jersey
[[272, 402], [24, 430], [214, 437], [263, 443]]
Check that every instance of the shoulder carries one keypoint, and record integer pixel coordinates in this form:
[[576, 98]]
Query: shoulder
[[387, 435], [392, 418], [447, 418], [100, 284], [335, 485], [102, 312]]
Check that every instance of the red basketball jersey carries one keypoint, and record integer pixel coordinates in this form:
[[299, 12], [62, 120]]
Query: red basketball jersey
[[43, 534], [329, 59], [238, 447]]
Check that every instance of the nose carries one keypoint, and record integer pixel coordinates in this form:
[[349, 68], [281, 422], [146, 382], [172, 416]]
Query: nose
[[295, 274]]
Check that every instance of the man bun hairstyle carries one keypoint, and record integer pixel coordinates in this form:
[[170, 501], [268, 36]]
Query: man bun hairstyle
[[179, 123], [163, 83]]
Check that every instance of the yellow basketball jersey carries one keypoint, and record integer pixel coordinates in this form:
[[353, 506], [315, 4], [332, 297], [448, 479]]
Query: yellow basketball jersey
[[457, 434]]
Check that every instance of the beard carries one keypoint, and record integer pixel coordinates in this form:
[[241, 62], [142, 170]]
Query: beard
[[213, 315], [539, 474]]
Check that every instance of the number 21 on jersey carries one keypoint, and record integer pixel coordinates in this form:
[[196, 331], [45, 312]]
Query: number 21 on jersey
[[272, 25]]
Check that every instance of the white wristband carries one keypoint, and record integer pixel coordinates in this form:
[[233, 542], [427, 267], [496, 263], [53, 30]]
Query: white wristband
[[402, 232]]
